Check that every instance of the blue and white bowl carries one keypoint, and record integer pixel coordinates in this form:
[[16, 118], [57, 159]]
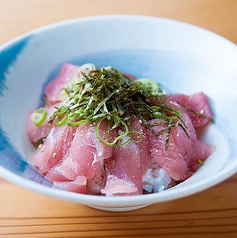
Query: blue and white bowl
[[183, 58]]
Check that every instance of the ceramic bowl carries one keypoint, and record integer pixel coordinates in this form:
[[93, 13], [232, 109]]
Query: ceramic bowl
[[182, 57]]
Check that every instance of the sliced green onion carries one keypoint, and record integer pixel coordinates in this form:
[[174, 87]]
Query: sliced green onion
[[118, 138], [61, 120], [64, 95], [149, 83], [39, 116], [76, 123], [200, 162]]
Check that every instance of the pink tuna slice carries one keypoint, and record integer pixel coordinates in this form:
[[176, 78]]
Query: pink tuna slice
[[54, 88], [197, 102], [53, 149], [76, 186], [128, 165], [181, 158], [117, 186], [123, 170], [193, 149], [143, 145], [171, 160], [84, 155]]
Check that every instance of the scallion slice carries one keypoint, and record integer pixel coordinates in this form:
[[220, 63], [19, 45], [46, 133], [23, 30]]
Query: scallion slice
[[39, 116]]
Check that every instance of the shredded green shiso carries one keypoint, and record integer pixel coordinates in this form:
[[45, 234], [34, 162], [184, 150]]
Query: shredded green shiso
[[109, 94]]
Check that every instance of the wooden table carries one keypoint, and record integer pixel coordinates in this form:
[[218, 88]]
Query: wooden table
[[212, 213]]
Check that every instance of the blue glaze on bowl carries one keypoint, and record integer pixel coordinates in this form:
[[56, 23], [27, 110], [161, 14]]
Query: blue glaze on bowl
[[10, 158], [7, 58]]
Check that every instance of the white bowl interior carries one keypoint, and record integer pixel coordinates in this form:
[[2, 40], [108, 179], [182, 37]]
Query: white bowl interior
[[183, 58]]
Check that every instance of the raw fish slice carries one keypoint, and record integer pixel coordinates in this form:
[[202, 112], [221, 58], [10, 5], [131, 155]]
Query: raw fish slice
[[143, 146], [182, 157], [117, 186], [171, 160], [193, 149], [85, 153], [54, 88], [129, 163], [125, 169], [53, 149], [77, 186], [53, 175], [197, 102]]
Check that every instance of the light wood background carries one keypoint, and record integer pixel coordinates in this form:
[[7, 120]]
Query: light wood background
[[212, 213]]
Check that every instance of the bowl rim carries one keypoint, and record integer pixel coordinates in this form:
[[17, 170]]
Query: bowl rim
[[126, 200], [117, 201], [111, 17]]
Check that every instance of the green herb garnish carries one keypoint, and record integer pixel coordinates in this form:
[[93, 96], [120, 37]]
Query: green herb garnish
[[39, 116], [108, 94], [200, 162]]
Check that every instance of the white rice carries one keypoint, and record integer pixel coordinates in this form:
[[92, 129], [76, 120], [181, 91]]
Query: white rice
[[156, 180]]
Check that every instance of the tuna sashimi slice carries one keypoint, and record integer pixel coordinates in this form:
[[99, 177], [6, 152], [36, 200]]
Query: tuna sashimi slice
[[54, 88], [53, 149], [125, 168], [193, 149], [77, 186], [181, 159], [119, 186], [53, 175], [196, 106], [171, 160], [143, 145], [84, 155]]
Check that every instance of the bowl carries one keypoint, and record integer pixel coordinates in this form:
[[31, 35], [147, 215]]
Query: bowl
[[182, 57]]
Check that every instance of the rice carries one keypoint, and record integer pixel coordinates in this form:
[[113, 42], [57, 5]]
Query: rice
[[156, 180]]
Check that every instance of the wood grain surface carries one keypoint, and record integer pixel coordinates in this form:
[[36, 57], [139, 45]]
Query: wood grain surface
[[212, 213]]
